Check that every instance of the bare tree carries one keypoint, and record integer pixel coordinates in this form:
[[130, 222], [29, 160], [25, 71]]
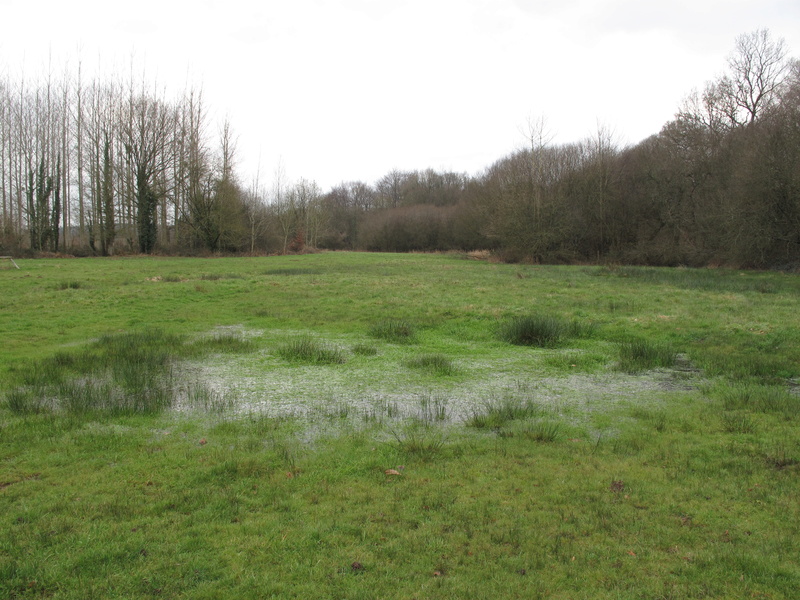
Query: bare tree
[[282, 205], [758, 67], [539, 136], [147, 132], [195, 171], [228, 196], [5, 160], [256, 210], [390, 188]]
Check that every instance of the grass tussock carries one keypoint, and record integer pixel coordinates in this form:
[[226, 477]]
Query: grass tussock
[[437, 364], [543, 331], [544, 431], [364, 350], [307, 349], [769, 363], [227, 342], [498, 412], [738, 422], [419, 440], [397, 331], [642, 355]]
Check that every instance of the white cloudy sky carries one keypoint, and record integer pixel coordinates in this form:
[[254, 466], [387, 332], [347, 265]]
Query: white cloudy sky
[[340, 90]]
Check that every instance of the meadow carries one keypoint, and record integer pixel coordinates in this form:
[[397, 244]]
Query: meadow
[[355, 425]]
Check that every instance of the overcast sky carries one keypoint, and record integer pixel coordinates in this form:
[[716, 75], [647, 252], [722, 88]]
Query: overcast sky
[[342, 90]]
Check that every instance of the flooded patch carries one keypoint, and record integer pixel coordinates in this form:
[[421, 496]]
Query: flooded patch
[[380, 388]]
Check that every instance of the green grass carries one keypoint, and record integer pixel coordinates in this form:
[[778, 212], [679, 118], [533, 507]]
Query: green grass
[[756, 397], [293, 271], [530, 474], [718, 280]]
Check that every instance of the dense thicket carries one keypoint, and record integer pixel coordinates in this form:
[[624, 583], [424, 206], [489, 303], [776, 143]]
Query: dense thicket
[[117, 167]]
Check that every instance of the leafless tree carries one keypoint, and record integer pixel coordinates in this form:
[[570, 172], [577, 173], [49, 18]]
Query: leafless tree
[[758, 67], [256, 209], [390, 188], [147, 128]]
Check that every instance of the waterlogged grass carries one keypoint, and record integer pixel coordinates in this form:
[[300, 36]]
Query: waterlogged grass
[[539, 486], [571, 360], [131, 373]]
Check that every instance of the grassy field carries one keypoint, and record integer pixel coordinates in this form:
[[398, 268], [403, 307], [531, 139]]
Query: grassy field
[[396, 426]]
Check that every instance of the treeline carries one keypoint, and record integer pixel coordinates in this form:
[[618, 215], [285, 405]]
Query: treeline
[[105, 166], [115, 167], [720, 184]]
